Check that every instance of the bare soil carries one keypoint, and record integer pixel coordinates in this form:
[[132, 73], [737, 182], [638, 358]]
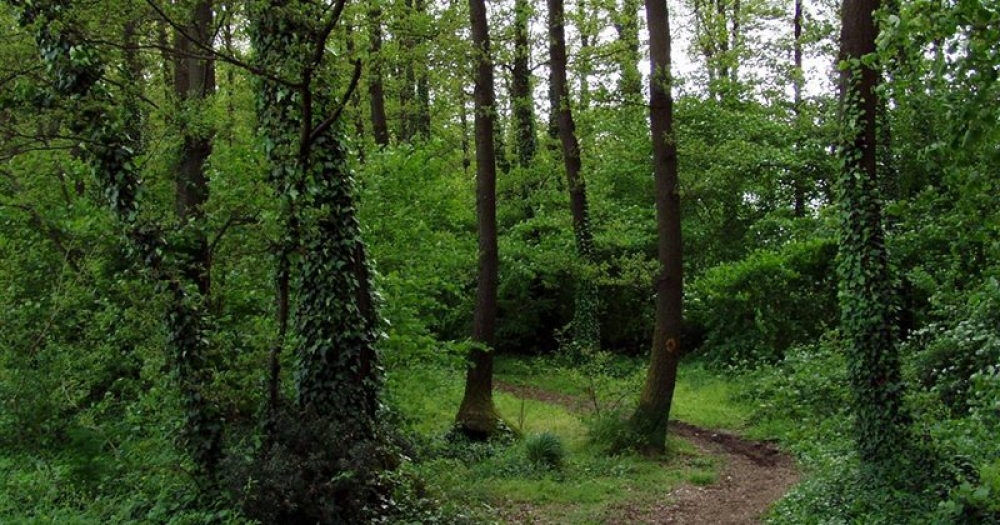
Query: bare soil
[[753, 475]]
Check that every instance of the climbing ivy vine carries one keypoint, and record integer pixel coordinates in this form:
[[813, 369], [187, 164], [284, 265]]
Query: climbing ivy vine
[[336, 323], [110, 143]]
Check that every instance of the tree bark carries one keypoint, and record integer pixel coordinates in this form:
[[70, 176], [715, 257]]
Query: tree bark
[[526, 144], [376, 86], [866, 296], [798, 185], [627, 26], [422, 122], [653, 411], [477, 416], [585, 328], [194, 83]]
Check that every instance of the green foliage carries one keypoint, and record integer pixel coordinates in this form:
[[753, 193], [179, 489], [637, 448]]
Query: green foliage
[[611, 432], [302, 478], [951, 354], [545, 450], [752, 311]]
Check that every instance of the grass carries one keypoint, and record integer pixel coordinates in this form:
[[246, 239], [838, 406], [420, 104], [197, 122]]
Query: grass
[[499, 478], [701, 397]]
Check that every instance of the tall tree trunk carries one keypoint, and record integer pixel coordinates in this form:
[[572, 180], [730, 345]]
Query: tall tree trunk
[[524, 106], [736, 42], [627, 26], [721, 34], [338, 377], [477, 416], [359, 119], [376, 86], [653, 412], [585, 327], [422, 122], [585, 67], [194, 83], [866, 296], [798, 184], [407, 115]]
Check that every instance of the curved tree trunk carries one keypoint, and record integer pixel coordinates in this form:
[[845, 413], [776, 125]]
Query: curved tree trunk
[[653, 412], [477, 416]]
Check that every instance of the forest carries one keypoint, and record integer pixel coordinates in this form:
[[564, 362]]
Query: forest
[[417, 261]]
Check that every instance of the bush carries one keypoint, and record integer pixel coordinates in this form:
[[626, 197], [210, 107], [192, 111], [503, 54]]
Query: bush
[[610, 432], [317, 470], [948, 354], [545, 450], [752, 311]]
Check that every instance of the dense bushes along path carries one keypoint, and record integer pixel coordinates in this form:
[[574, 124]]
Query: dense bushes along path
[[753, 476]]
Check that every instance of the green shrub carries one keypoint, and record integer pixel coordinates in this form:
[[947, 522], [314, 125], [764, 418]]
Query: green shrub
[[948, 354], [545, 450], [752, 311], [610, 432]]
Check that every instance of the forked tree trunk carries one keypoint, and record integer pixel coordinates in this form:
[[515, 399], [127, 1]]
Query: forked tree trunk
[[653, 412], [477, 416]]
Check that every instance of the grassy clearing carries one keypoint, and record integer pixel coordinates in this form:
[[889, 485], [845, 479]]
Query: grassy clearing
[[702, 397], [498, 481]]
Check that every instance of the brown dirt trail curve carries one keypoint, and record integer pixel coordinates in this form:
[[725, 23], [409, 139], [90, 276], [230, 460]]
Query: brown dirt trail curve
[[753, 475]]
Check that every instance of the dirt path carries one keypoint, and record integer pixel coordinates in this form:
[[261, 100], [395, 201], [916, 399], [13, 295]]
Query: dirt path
[[753, 475]]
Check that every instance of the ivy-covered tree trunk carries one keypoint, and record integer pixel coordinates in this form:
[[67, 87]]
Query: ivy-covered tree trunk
[[477, 416], [866, 293], [194, 83], [337, 372], [653, 411], [111, 128], [526, 144], [585, 327]]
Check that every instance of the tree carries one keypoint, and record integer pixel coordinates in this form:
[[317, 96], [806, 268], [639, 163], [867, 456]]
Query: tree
[[798, 185], [627, 27], [112, 143], [376, 86], [866, 293], [338, 375], [477, 416], [653, 411], [526, 141], [585, 326]]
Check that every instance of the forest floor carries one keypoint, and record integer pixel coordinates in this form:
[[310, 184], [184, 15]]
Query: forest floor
[[752, 476]]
